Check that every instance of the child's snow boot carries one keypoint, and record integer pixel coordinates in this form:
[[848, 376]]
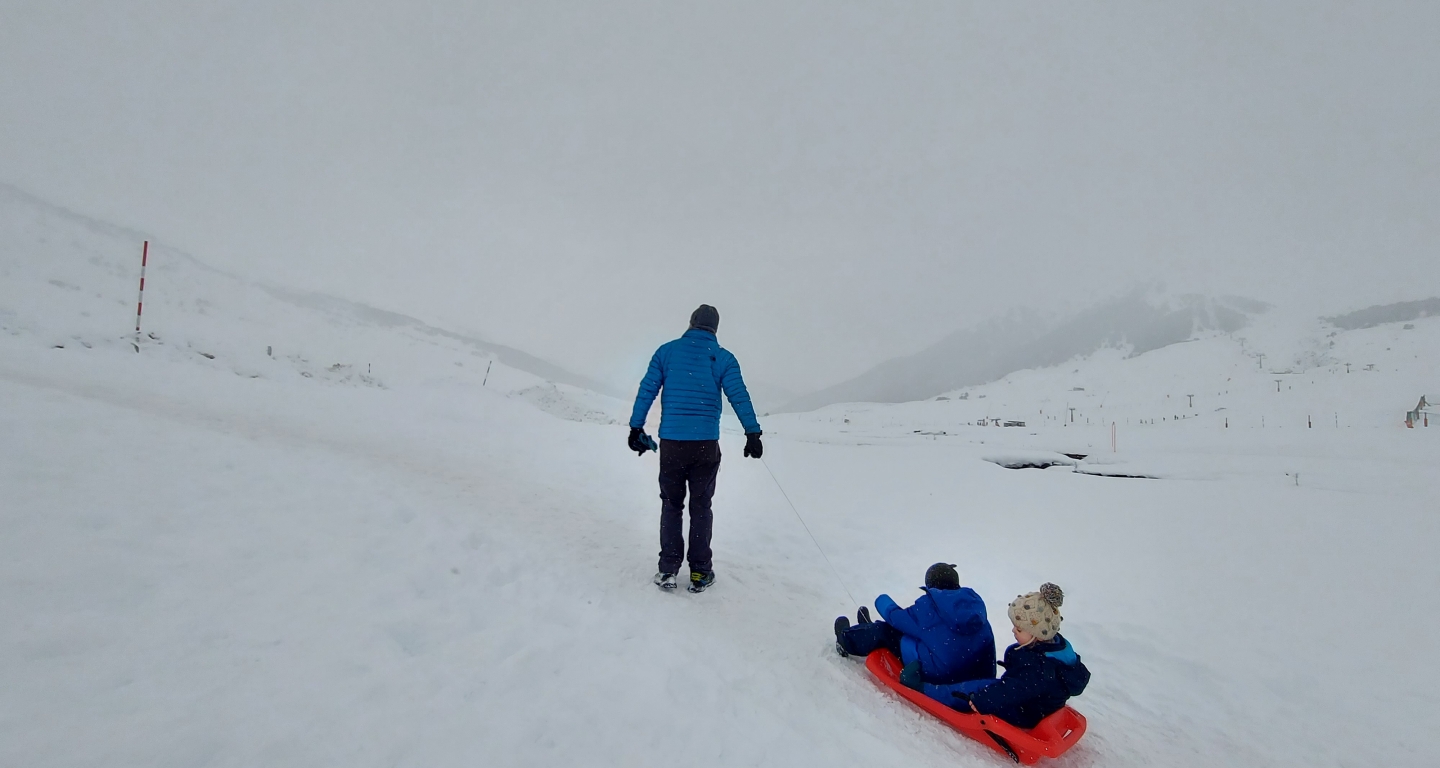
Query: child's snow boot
[[910, 676], [701, 580], [842, 624], [665, 580], [863, 615]]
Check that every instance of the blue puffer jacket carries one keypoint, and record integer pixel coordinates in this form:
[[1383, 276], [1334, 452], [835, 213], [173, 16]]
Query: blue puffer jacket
[[946, 630], [1038, 680], [693, 370]]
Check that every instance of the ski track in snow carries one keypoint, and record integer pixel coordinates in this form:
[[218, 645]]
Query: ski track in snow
[[303, 609]]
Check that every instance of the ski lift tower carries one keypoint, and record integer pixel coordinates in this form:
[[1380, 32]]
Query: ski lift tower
[[1419, 414]]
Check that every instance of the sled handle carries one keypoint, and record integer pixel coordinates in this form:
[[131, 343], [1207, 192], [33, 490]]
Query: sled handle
[[1005, 745]]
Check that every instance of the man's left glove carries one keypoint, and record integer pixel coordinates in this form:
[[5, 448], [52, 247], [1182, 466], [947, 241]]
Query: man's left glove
[[753, 448], [641, 442]]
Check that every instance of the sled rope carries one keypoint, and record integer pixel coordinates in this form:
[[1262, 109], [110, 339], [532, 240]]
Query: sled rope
[[818, 548]]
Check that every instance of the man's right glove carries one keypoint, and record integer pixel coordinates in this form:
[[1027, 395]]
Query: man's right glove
[[641, 442], [753, 448]]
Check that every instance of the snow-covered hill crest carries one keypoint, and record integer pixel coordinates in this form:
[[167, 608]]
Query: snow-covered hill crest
[[69, 282]]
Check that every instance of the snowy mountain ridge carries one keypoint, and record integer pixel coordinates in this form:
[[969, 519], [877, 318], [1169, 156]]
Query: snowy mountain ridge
[[1146, 318]]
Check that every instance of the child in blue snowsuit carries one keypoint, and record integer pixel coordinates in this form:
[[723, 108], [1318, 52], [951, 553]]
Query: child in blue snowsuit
[[1042, 671], [944, 637]]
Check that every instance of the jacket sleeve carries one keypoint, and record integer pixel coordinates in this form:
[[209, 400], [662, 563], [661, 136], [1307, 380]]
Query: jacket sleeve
[[734, 385], [898, 617], [649, 388]]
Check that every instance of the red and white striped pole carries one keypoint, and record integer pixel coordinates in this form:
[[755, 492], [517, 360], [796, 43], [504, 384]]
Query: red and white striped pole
[[140, 303]]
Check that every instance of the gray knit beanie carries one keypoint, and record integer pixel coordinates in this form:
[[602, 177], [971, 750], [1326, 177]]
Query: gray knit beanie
[[1038, 613], [705, 318]]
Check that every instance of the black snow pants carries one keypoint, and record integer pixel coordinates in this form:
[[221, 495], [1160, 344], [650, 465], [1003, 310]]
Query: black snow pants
[[861, 639], [696, 463]]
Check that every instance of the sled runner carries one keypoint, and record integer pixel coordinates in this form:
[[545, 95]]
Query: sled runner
[[1051, 738]]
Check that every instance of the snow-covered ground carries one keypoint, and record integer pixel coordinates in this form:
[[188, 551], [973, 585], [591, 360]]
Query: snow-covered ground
[[271, 560]]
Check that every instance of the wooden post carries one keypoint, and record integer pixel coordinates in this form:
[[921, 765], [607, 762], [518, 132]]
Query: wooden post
[[140, 302]]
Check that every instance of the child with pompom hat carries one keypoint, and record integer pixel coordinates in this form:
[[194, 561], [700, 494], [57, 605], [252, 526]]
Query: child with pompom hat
[[1042, 671]]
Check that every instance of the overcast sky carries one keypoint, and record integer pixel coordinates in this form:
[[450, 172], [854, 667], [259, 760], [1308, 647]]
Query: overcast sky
[[847, 182]]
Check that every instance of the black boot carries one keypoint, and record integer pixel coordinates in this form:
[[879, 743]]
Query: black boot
[[841, 624], [862, 615]]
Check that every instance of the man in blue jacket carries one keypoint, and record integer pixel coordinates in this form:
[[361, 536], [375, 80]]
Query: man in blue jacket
[[943, 638], [689, 374]]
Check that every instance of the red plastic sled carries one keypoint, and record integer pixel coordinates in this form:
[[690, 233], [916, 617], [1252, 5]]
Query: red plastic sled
[[1051, 738]]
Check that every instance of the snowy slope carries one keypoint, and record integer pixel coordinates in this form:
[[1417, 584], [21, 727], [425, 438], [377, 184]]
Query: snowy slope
[[68, 281], [1286, 371], [404, 567]]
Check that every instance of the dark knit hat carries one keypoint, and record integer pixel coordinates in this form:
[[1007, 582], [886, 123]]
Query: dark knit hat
[[942, 576], [706, 318]]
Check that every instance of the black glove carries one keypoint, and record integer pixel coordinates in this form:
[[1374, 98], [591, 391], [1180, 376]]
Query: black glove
[[964, 704], [641, 442], [753, 447]]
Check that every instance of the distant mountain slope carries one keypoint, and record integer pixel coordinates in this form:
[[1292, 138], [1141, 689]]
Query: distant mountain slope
[[1144, 320], [1400, 312]]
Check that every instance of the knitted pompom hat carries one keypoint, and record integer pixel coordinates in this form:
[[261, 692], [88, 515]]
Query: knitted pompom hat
[[1038, 613]]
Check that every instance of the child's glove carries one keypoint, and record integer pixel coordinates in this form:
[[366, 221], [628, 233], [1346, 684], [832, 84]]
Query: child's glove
[[910, 676], [753, 446], [641, 442]]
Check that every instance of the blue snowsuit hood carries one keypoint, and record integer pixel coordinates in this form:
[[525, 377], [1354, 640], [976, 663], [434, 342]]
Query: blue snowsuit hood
[[946, 630], [689, 374]]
